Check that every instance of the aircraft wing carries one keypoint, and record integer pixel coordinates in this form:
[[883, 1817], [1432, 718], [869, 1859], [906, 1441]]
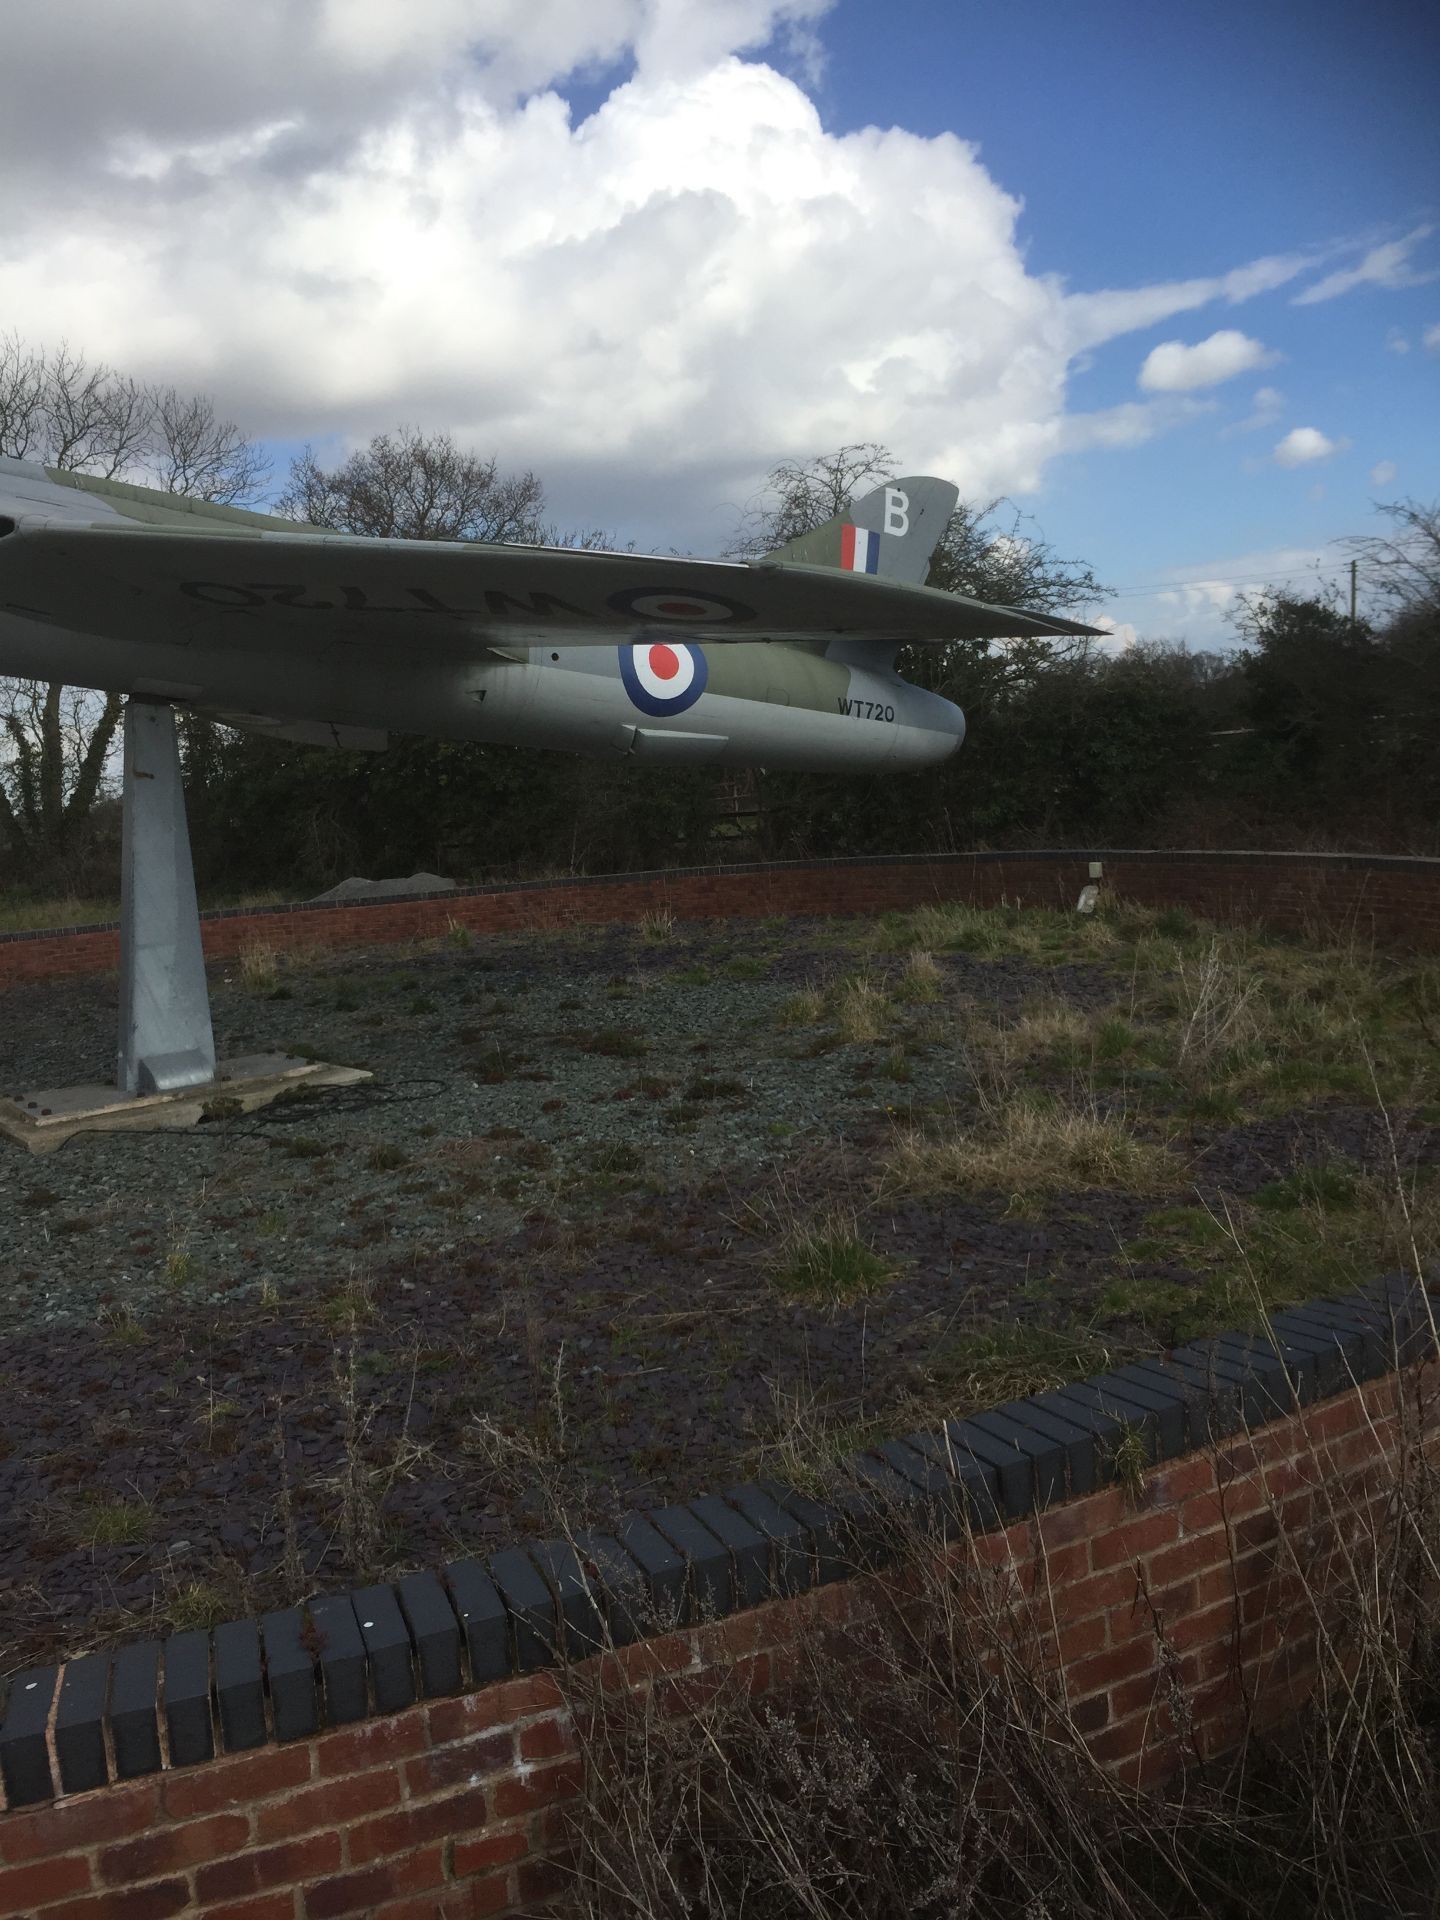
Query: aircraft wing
[[125, 563]]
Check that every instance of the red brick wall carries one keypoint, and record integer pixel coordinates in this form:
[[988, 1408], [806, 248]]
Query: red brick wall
[[1393, 901], [457, 1807]]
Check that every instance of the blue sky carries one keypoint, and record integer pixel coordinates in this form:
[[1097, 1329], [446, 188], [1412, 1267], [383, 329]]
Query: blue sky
[[1159, 143], [1177, 294]]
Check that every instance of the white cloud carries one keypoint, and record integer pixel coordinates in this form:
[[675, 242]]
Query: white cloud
[[1304, 444], [355, 213], [1195, 604], [1096, 317], [1383, 266], [1172, 367], [1122, 633], [1430, 339], [1265, 409], [1396, 341], [1382, 474]]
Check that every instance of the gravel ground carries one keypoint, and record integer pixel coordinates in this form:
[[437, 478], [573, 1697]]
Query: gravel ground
[[526, 1265]]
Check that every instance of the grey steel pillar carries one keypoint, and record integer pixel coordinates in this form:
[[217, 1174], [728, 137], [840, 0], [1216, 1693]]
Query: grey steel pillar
[[166, 1040]]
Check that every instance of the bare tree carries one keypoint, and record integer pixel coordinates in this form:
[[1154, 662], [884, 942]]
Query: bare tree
[[197, 454], [801, 495], [1009, 565], [415, 486], [22, 400], [63, 410], [66, 411], [1402, 569]]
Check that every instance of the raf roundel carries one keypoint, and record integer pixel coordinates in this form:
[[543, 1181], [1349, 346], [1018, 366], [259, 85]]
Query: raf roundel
[[663, 676]]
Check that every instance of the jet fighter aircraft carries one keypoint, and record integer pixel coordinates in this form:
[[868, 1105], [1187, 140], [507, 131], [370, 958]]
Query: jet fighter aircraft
[[335, 639], [338, 639]]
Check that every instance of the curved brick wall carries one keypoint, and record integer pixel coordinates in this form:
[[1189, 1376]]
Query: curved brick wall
[[408, 1752], [1392, 900]]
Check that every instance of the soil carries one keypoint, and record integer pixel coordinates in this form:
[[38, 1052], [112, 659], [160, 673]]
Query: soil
[[529, 1266]]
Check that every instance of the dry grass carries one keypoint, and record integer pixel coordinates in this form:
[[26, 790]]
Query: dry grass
[[922, 1762], [1025, 1146], [259, 968]]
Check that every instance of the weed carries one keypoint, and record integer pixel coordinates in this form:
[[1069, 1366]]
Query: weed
[[803, 1009], [197, 1605], [95, 1519], [994, 1361], [387, 1158], [657, 927], [457, 934], [1025, 1146], [303, 1146], [922, 979], [827, 1260], [863, 1011], [39, 1197], [259, 969]]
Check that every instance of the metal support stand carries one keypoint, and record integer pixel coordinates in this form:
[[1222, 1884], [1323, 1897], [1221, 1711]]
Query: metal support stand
[[166, 1039], [166, 1069]]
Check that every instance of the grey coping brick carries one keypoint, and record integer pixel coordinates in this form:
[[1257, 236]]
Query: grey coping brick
[[1215, 1367], [823, 1525], [978, 1481], [1106, 1428], [342, 1657], [575, 1609], [189, 1723], [134, 1707], [882, 1504], [1014, 1474], [1337, 1350], [434, 1630], [1283, 1379], [945, 1496], [24, 1756], [290, 1674], [529, 1603], [239, 1686], [709, 1563], [1165, 1405], [80, 1723], [1214, 1407], [1360, 1336], [749, 1548], [619, 1595], [387, 1647], [1135, 1410], [792, 1560], [1047, 1455], [662, 1566], [483, 1620], [1081, 1465]]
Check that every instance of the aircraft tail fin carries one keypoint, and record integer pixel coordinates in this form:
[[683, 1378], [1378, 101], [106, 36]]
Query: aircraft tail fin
[[891, 533]]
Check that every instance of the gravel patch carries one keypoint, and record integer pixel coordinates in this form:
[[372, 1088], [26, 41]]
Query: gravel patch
[[527, 1267]]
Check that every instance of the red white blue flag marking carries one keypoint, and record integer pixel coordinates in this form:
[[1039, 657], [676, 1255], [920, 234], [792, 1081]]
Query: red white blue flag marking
[[859, 550], [663, 676]]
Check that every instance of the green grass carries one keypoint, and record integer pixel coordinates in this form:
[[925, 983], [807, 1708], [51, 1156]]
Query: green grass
[[992, 1362], [1315, 1232], [828, 1261]]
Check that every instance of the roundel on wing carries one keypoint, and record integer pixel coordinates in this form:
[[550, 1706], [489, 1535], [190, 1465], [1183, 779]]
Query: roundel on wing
[[679, 608], [663, 676]]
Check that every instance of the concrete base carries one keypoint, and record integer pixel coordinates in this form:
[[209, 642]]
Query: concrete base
[[46, 1120]]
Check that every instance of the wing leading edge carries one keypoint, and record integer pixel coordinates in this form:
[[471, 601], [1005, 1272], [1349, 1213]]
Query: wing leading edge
[[125, 564]]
